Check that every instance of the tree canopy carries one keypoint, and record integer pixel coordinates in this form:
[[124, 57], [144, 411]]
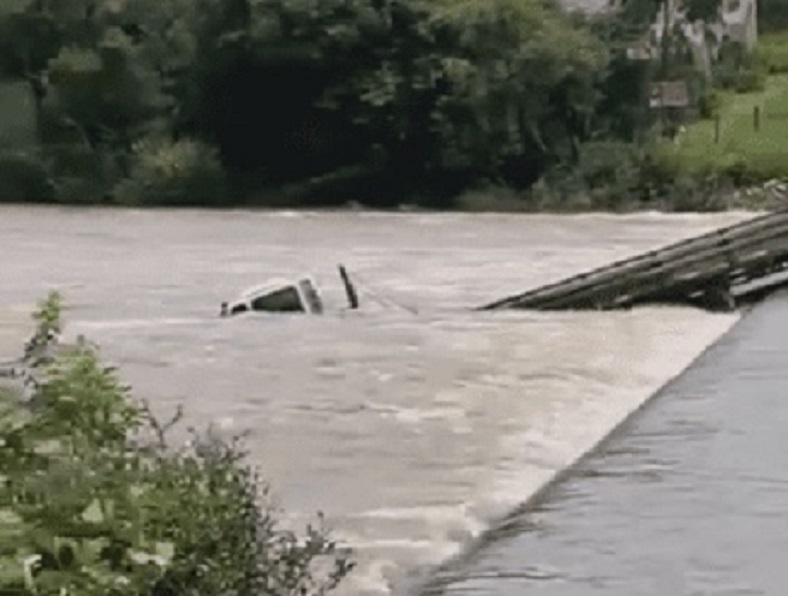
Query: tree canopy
[[332, 97]]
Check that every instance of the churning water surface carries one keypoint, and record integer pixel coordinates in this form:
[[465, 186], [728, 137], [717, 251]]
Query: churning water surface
[[689, 498], [411, 431]]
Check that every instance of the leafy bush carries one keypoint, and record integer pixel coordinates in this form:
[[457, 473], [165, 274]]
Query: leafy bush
[[709, 104], [702, 192], [750, 80], [739, 69], [24, 177], [81, 173], [621, 176], [93, 501], [607, 175], [184, 172], [487, 197]]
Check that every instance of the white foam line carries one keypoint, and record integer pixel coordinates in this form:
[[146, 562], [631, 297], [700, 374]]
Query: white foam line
[[133, 323]]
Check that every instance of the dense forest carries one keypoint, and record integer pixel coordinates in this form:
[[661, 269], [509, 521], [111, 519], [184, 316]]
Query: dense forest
[[320, 102]]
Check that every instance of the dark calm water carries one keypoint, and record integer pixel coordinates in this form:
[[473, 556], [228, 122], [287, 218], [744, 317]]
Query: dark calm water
[[688, 498]]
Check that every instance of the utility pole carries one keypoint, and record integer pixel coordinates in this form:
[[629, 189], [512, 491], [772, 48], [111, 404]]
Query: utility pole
[[665, 43], [667, 31]]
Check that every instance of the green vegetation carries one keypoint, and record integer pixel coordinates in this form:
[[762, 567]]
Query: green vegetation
[[772, 15], [213, 102], [773, 51], [741, 136], [93, 501], [739, 70], [272, 102], [742, 152]]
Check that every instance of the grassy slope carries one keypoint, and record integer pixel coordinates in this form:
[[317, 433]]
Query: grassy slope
[[765, 152], [773, 49]]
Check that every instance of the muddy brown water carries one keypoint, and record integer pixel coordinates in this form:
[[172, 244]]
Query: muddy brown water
[[411, 431]]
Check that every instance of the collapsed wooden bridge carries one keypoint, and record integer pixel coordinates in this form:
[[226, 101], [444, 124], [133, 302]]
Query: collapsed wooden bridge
[[719, 270]]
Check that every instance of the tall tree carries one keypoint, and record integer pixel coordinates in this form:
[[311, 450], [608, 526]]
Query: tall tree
[[526, 76]]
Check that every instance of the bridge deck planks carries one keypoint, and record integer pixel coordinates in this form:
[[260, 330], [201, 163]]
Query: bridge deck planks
[[683, 272]]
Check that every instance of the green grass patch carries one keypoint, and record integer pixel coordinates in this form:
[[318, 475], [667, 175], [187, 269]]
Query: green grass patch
[[773, 51], [741, 150]]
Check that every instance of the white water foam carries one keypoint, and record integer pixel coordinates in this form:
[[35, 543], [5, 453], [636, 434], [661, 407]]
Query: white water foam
[[596, 398], [83, 327]]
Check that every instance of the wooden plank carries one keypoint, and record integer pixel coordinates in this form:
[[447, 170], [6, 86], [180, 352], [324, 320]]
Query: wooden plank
[[706, 264], [735, 251], [648, 259], [759, 293]]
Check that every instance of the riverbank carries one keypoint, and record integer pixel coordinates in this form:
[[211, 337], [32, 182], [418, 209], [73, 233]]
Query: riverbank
[[768, 196], [746, 138]]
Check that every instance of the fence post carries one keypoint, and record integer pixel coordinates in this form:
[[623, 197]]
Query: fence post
[[716, 129], [756, 118]]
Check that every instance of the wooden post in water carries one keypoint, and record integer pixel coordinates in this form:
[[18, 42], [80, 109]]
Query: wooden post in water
[[716, 129], [756, 118], [717, 296], [350, 290]]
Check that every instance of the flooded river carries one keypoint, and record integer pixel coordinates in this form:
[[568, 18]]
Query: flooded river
[[412, 431], [690, 499]]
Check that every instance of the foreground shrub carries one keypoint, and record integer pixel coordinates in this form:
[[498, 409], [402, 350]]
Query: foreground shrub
[[184, 172], [94, 502]]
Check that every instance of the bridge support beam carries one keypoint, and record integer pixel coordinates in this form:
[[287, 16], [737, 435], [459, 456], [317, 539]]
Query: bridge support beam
[[717, 297]]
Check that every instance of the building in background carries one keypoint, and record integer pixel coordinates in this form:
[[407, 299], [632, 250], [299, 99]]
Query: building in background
[[737, 22]]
